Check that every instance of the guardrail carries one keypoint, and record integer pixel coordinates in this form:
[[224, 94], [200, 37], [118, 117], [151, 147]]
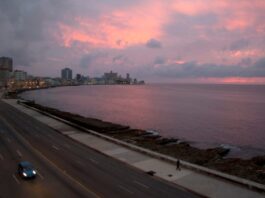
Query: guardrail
[[247, 183]]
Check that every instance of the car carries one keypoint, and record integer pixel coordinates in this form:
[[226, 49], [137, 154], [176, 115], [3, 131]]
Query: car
[[26, 170]]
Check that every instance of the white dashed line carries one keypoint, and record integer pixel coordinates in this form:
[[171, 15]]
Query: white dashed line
[[1, 157], [40, 175], [15, 178], [94, 161], [55, 147], [19, 153], [125, 189], [140, 184]]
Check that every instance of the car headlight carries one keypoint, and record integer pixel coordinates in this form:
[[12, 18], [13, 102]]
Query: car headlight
[[25, 174], [34, 172]]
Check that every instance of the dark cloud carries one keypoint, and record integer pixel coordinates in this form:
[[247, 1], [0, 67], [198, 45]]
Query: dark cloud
[[193, 69], [153, 43], [25, 27], [239, 44], [117, 58], [260, 63], [245, 62], [159, 60], [92, 59]]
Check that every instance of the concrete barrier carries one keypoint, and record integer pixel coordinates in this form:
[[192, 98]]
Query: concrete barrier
[[247, 183]]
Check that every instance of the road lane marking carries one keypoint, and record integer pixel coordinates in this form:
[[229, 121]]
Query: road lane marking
[[125, 189], [19, 153], [26, 142], [55, 147], [140, 184], [94, 161], [1, 157], [40, 175], [15, 178]]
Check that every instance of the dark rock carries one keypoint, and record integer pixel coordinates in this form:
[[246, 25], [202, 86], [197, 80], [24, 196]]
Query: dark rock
[[259, 161], [165, 141]]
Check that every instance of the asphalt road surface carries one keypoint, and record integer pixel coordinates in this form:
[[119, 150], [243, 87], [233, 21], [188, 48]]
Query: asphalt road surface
[[66, 168]]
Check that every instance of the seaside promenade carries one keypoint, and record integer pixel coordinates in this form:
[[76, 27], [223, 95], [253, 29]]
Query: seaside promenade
[[185, 179]]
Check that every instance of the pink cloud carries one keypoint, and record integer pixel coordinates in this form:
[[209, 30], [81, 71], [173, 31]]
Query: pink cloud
[[119, 28]]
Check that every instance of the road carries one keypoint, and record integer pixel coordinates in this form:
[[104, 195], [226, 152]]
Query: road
[[65, 167]]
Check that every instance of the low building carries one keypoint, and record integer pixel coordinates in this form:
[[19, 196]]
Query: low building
[[19, 75], [110, 78]]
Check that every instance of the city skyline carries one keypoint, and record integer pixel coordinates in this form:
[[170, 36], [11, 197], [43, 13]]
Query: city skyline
[[165, 41]]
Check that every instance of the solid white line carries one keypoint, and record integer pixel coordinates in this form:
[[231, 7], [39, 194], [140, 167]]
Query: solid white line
[[15, 178], [19, 153], [40, 175], [125, 189], [1, 157], [55, 147], [140, 184], [94, 161]]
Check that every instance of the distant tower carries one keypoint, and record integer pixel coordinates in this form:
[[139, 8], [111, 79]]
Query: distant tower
[[6, 67], [78, 77], [66, 74], [128, 79]]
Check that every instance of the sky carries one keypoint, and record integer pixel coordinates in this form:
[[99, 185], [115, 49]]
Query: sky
[[154, 40]]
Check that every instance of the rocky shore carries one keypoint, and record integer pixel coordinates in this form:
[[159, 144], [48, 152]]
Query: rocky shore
[[252, 169]]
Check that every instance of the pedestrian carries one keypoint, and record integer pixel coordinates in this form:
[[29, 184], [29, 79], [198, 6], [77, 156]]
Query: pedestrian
[[178, 165]]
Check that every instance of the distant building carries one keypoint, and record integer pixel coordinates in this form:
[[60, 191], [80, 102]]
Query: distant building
[[66, 74], [19, 75], [110, 78], [128, 78], [6, 67], [78, 77]]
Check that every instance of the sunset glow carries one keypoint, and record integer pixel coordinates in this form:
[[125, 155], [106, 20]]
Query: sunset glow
[[167, 39]]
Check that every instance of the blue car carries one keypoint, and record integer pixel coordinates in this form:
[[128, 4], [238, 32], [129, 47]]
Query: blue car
[[26, 170]]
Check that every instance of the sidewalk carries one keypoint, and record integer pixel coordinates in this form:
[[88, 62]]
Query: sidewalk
[[195, 181]]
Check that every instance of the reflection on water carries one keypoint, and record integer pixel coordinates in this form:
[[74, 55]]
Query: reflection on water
[[229, 114]]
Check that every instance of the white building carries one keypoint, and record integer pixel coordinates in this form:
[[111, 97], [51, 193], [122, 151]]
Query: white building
[[20, 75]]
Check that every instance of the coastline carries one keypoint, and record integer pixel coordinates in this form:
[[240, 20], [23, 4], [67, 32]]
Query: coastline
[[214, 158]]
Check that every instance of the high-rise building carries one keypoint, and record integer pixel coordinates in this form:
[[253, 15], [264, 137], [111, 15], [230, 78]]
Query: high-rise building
[[128, 78], [66, 74], [20, 75], [6, 67], [78, 77]]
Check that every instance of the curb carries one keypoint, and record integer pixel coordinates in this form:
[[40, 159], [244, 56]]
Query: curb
[[243, 182]]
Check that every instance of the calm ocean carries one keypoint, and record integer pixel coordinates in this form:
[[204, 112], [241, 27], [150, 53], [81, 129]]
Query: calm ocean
[[206, 115]]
